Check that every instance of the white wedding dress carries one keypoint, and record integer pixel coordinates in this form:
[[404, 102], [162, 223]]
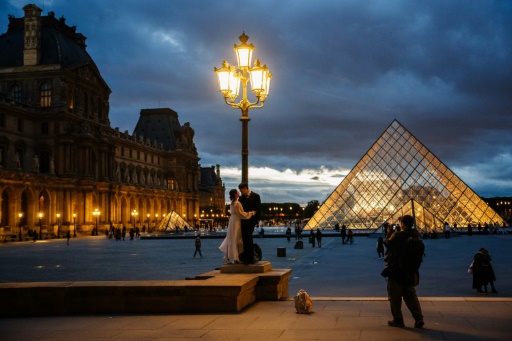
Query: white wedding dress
[[233, 245]]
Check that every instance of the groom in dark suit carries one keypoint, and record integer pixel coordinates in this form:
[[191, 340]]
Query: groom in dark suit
[[250, 202]]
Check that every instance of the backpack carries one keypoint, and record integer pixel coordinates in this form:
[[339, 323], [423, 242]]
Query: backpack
[[411, 255], [303, 303]]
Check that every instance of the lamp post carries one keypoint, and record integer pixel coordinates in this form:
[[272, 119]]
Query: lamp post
[[40, 225], [74, 225], [58, 225], [20, 215], [96, 213], [230, 77], [134, 214]]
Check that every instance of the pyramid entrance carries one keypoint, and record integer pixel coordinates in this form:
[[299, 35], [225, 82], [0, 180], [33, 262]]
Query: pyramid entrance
[[398, 175]]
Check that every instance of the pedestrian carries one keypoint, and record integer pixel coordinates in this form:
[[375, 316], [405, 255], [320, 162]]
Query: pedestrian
[[380, 247], [402, 279], [343, 233], [350, 237], [312, 238], [68, 236], [288, 234], [319, 237], [483, 273], [198, 247], [446, 230]]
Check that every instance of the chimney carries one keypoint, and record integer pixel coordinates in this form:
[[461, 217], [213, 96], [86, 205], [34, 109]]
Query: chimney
[[32, 46], [218, 172]]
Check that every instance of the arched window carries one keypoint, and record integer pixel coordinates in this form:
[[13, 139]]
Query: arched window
[[15, 92], [45, 94]]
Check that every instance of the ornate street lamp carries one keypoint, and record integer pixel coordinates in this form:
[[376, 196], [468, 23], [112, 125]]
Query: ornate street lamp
[[74, 225], [96, 213], [20, 215], [230, 77], [40, 225]]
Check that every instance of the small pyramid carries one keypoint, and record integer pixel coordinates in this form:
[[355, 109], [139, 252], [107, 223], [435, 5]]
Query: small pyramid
[[172, 222], [396, 175]]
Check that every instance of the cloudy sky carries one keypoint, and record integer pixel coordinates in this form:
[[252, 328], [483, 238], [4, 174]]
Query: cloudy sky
[[342, 71]]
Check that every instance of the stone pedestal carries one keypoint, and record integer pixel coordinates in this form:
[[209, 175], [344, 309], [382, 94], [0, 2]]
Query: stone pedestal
[[259, 267]]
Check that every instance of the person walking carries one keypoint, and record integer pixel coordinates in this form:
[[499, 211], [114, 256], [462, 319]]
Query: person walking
[[251, 202], [312, 237], [343, 233], [380, 247], [402, 279], [319, 237], [198, 247], [68, 236]]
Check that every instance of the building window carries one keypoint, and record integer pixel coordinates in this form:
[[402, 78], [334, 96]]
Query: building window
[[20, 125], [44, 128], [45, 95], [170, 184], [15, 92]]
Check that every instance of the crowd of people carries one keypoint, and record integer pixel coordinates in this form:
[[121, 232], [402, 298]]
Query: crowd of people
[[119, 233]]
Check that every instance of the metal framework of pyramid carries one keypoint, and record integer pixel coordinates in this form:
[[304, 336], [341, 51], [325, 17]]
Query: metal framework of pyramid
[[172, 222], [397, 176]]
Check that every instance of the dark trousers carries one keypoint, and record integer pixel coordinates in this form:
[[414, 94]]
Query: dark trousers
[[248, 255], [198, 249], [396, 292]]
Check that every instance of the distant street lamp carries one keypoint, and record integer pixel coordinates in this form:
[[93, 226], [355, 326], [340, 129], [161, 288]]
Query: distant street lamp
[[134, 214], [229, 78], [20, 215], [40, 225], [74, 225], [58, 225], [96, 213]]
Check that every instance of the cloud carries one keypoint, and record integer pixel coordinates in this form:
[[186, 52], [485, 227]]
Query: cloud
[[342, 71]]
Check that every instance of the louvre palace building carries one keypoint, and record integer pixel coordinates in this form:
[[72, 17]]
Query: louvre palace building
[[62, 166]]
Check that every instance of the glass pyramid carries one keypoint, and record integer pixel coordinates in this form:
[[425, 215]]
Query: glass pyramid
[[397, 176], [172, 222]]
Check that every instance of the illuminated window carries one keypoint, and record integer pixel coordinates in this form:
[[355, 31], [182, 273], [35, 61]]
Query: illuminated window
[[170, 184], [45, 95]]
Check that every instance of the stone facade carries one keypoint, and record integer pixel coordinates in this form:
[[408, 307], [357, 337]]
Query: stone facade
[[60, 157]]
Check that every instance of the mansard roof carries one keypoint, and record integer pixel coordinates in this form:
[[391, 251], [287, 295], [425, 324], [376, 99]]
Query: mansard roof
[[60, 44], [160, 125], [209, 178]]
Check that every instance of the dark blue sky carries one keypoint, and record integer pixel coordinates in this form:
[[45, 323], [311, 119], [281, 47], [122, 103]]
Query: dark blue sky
[[342, 71]]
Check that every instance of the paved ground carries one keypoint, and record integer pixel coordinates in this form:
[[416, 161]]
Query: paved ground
[[344, 281]]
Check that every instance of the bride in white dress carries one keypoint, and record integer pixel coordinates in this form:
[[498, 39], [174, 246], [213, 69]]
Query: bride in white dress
[[232, 245]]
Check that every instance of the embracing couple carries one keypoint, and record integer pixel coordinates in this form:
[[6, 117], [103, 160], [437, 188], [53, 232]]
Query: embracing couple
[[245, 208]]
